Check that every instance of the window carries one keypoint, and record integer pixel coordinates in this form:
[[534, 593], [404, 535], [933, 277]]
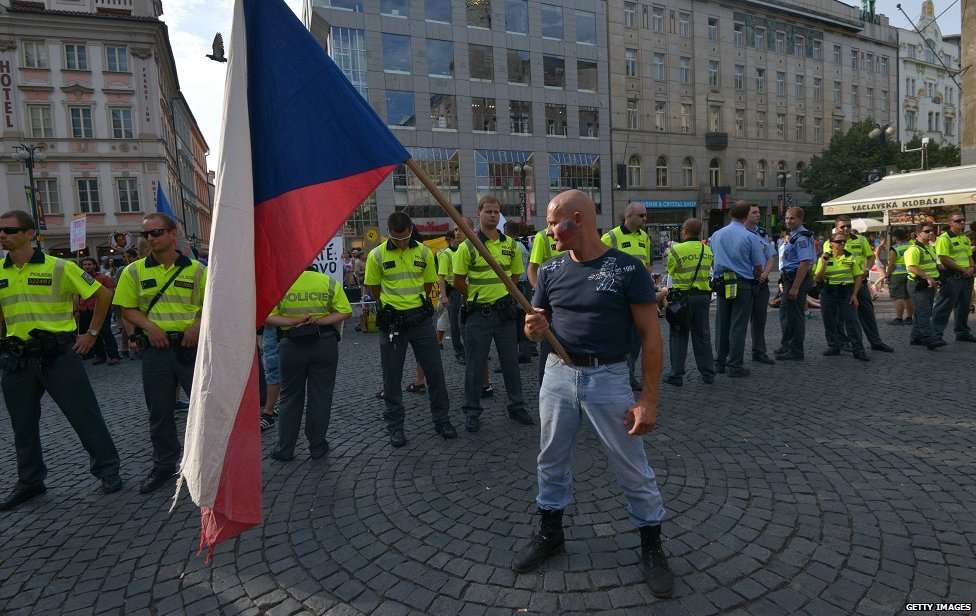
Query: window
[[713, 28], [116, 59], [684, 25], [761, 174], [931, 117], [817, 50], [659, 67], [122, 123], [684, 70], [800, 168], [687, 173], [780, 126], [837, 98], [910, 86], [633, 114], [912, 53], [396, 53], [440, 58], [780, 83], [556, 120], [739, 35], [869, 93], [443, 111], [798, 43], [713, 78], [634, 171], [128, 193], [884, 65], [345, 5], [910, 120], [799, 129], [630, 14], [75, 57], [760, 125], [481, 62], [520, 113], [817, 89], [714, 173], [854, 98], [517, 16], [740, 77], [585, 28], [740, 122], [39, 118], [348, 49], [48, 196], [657, 18], [586, 76], [552, 22], [715, 118], [553, 72], [630, 62], [818, 130], [88, 201], [575, 170], [868, 63], [400, 109], [685, 117], [780, 42], [883, 102], [854, 57], [479, 15], [838, 126], [740, 173], [660, 115], [759, 38], [799, 86], [929, 51], [950, 126], [761, 80], [661, 172], [519, 67], [437, 11], [394, 8], [442, 167], [35, 54], [483, 117], [837, 54], [81, 122], [589, 122]]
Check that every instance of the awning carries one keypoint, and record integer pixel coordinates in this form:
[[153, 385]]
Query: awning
[[954, 186]]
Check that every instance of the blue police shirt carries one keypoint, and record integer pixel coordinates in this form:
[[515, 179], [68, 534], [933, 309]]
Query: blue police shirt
[[738, 250], [768, 250], [798, 248]]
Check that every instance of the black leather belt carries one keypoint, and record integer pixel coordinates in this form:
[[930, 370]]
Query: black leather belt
[[693, 291], [590, 361]]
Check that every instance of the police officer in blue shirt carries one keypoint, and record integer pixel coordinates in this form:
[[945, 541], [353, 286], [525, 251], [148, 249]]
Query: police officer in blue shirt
[[738, 265], [760, 302], [798, 257]]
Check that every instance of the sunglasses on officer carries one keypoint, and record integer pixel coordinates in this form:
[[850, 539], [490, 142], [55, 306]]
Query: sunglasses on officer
[[12, 230], [960, 221], [154, 233]]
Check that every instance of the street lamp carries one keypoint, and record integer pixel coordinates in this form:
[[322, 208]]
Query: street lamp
[[881, 133], [782, 176], [29, 154], [523, 170]]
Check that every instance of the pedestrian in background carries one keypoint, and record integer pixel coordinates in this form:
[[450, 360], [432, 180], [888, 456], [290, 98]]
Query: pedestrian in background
[[897, 277], [106, 348]]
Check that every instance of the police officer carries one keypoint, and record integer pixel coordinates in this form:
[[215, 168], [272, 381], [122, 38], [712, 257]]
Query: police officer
[[798, 259], [897, 277], [525, 346], [491, 314], [162, 295], [689, 264], [40, 354], [400, 275], [739, 260], [308, 355], [450, 298], [922, 264], [841, 275], [760, 303], [859, 246], [630, 238], [955, 253]]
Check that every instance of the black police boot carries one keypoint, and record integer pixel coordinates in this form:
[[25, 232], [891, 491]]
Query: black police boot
[[547, 542], [657, 573], [21, 495], [157, 478]]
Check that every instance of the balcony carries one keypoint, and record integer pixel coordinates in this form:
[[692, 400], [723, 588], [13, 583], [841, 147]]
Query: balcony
[[716, 141]]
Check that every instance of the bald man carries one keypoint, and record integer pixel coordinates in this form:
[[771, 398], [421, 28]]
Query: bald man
[[595, 297]]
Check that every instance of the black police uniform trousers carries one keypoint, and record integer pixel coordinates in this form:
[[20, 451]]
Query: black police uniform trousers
[[839, 316], [454, 317], [312, 367], [479, 330], [162, 370], [922, 330], [760, 305], [701, 339], [732, 325], [105, 344], [865, 316], [791, 320], [65, 380], [954, 296], [428, 354]]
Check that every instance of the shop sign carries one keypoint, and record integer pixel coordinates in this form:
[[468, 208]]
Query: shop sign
[[668, 205]]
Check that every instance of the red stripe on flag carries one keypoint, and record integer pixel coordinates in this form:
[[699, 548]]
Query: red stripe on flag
[[237, 506], [291, 229]]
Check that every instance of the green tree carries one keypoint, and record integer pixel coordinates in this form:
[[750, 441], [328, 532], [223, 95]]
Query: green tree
[[936, 155]]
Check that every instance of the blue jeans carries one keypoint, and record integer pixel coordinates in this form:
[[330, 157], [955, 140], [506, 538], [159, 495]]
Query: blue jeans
[[604, 394]]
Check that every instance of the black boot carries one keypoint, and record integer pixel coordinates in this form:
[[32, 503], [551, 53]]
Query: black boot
[[657, 574], [547, 542]]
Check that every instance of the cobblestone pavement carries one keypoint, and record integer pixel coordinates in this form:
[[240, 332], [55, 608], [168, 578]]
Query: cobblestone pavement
[[823, 487]]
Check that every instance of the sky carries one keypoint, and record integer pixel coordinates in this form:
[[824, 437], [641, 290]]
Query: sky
[[193, 23]]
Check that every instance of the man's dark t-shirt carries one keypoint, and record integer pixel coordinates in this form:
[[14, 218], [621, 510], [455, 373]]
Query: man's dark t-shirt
[[590, 302]]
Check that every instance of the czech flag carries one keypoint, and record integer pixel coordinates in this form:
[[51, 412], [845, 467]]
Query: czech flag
[[723, 200], [300, 150]]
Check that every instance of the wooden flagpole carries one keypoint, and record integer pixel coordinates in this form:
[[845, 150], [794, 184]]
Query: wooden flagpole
[[483, 251]]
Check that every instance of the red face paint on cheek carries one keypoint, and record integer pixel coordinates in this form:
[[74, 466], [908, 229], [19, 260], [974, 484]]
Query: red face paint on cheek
[[565, 231]]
